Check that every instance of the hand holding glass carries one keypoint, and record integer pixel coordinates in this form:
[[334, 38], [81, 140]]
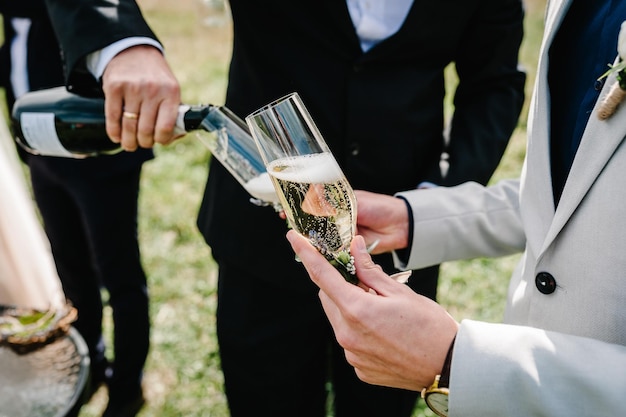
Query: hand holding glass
[[316, 197]]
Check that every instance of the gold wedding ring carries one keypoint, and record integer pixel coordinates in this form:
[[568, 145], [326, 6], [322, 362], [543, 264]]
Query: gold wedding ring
[[130, 115]]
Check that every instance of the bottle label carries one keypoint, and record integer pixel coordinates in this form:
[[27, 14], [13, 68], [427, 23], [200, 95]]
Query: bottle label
[[41, 135]]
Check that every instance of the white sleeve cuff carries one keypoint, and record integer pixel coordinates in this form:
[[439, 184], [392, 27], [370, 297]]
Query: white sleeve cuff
[[98, 60]]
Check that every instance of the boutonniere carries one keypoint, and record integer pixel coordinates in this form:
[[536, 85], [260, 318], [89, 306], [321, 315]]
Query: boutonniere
[[617, 93]]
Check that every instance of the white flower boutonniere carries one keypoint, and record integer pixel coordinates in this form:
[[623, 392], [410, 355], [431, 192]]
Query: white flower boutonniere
[[617, 93]]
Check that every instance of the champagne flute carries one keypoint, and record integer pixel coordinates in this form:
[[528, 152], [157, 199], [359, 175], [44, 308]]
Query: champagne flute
[[315, 195], [229, 140]]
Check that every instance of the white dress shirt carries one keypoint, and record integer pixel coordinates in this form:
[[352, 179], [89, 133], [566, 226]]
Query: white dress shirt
[[19, 67], [376, 20]]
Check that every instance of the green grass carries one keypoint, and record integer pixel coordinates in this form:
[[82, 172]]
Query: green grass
[[183, 377]]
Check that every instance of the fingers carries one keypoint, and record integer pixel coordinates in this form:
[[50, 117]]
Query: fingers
[[129, 140], [166, 120], [370, 274], [326, 277], [142, 97], [113, 109], [330, 281], [140, 124], [322, 273], [384, 219]]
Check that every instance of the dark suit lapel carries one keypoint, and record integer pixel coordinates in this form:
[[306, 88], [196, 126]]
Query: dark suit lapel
[[600, 140], [338, 12]]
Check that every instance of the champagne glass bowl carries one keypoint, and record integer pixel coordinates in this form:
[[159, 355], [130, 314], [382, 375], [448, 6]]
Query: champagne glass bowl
[[315, 195]]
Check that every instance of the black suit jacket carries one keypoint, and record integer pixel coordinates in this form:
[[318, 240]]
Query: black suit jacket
[[45, 70], [381, 112]]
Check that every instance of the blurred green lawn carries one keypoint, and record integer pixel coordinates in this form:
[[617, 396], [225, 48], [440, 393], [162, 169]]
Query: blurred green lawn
[[183, 377]]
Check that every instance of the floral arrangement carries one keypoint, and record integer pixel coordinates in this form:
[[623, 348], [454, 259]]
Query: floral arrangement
[[617, 93], [25, 330]]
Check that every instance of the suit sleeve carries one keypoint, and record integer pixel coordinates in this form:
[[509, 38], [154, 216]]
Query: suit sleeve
[[24, 8], [85, 26], [490, 93], [505, 370], [463, 222]]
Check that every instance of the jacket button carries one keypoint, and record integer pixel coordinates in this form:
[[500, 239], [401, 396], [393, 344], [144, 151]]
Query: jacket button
[[355, 149], [545, 282], [598, 84]]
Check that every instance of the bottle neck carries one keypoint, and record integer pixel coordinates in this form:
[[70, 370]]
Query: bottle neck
[[194, 115], [190, 117]]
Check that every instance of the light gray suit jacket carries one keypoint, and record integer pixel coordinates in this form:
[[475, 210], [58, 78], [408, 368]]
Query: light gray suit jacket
[[562, 353]]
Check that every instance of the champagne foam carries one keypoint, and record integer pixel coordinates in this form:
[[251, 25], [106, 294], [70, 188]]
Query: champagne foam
[[261, 187], [317, 168]]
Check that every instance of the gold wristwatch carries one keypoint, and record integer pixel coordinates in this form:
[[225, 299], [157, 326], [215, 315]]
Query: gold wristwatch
[[436, 396]]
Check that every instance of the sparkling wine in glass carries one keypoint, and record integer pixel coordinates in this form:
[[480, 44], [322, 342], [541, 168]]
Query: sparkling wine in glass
[[229, 140], [313, 191]]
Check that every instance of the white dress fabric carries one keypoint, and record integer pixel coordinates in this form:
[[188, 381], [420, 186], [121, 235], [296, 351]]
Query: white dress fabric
[[28, 276]]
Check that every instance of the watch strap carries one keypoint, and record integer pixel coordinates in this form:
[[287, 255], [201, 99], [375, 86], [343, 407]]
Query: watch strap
[[444, 379]]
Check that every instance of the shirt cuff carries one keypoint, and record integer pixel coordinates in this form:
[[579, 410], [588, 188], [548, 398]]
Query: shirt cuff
[[98, 60], [403, 254]]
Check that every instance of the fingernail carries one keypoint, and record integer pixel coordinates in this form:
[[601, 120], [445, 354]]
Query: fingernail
[[360, 244]]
